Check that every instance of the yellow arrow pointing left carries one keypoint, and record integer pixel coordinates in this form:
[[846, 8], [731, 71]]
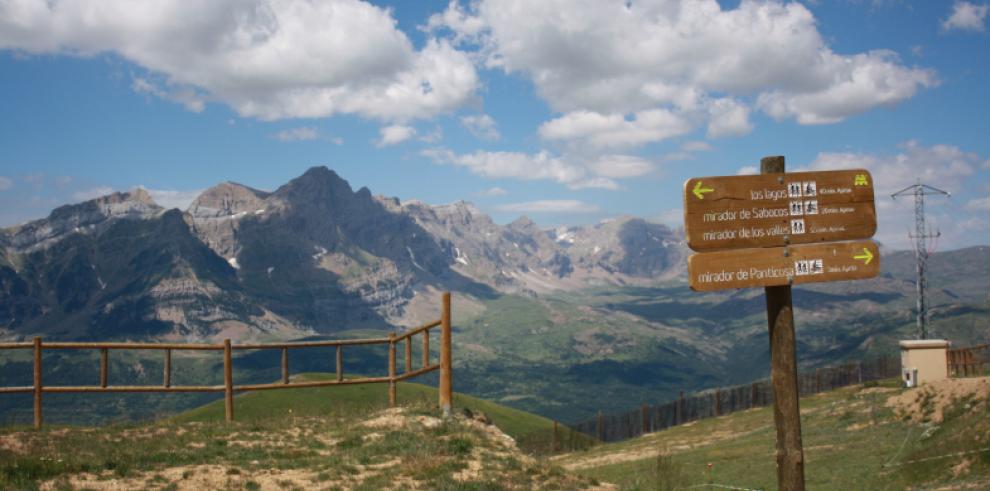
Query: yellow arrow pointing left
[[866, 256], [700, 191]]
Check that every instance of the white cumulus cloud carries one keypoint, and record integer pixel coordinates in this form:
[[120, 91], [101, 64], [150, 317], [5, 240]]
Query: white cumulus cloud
[[395, 134], [574, 172], [943, 166], [614, 130], [512, 165], [267, 59], [604, 64], [302, 133], [966, 16], [696, 146], [979, 204], [187, 96], [621, 166], [687, 151], [862, 81], [549, 206], [728, 117], [482, 126], [5, 183]]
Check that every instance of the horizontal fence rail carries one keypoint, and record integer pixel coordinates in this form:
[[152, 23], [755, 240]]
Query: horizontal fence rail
[[717, 402], [227, 347]]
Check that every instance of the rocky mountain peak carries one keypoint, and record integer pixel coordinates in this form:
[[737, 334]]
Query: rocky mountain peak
[[523, 223], [317, 185], [461, 206], [135, 202], [461, 212], [83, 217], [226, 199]]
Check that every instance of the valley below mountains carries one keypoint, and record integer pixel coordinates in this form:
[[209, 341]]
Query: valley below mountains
[[561, 322]]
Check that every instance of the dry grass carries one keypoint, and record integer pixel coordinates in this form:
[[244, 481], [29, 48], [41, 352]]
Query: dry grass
[[403, 448]]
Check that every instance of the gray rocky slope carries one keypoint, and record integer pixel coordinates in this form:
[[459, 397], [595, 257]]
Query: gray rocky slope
[[314, 256]]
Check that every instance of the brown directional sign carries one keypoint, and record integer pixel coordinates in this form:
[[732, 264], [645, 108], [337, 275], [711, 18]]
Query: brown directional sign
[[770, 210], [774, 266]]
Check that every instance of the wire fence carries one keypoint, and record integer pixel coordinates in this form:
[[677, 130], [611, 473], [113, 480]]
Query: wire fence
[[716, 402], [556, 440], [971, 361]]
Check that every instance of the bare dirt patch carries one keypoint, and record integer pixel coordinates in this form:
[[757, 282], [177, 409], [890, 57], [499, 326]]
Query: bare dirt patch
[[193, 478], [962, 467], [929, 402], [14, 442], [393, 418]]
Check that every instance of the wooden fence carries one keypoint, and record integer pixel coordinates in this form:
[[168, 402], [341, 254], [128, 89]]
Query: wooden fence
[[970, 361], [725, 400], [228, 387]]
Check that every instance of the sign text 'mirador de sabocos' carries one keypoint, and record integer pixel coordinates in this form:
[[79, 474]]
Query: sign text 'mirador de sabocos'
[[776, 210]]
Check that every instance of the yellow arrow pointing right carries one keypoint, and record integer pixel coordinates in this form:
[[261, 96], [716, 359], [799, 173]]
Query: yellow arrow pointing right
[[866, 256]]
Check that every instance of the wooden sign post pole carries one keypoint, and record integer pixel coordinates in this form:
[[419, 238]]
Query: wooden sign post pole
[[783, 373]]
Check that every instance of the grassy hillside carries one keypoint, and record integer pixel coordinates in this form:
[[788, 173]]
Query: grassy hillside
[[313, 438], [533, 432], [935, 438]]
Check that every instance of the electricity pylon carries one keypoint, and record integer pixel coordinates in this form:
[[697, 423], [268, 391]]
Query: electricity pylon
[[921, 245]]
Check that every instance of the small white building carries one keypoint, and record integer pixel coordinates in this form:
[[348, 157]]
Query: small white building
[[924, 360]]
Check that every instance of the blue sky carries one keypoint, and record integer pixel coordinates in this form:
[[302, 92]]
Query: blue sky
[[568, 112]]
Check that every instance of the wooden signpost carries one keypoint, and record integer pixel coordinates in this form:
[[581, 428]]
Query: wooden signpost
[[775, 210], [774, 230], [779, 266]]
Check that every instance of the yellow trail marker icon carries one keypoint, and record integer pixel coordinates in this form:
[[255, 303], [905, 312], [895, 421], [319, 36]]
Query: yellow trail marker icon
[[866, 256], [700, 191], [861, 180]]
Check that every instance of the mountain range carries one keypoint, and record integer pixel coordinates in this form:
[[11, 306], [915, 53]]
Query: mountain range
[[314, 256], [561, 322]]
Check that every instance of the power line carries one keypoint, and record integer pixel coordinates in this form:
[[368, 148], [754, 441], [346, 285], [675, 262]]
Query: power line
[[921, 237]]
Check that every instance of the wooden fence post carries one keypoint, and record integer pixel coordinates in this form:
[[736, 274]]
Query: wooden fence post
[[37, 383], [285, 365], [340, 363], [228, 382], [718, 402], [601, 426], [680, 408], [553, 443], [646, 418], [752, 396], [408, 354], [446, 382], [426, 348], [167, 375], [391, 369], [104, 367]]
